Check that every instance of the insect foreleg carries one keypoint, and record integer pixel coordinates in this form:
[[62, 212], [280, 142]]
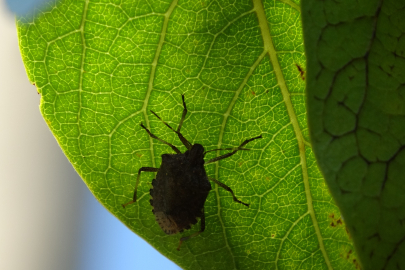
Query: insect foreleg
[[240, 147], [143, 169]]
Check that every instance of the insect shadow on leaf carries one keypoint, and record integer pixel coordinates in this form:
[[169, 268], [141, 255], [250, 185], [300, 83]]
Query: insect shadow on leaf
[[181, 185]]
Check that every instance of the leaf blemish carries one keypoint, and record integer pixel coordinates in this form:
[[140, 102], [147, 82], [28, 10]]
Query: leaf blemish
[[301, 71], [335, 221]]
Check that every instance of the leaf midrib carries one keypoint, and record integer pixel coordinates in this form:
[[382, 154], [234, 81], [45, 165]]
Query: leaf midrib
[[152, 74], [269, 47]]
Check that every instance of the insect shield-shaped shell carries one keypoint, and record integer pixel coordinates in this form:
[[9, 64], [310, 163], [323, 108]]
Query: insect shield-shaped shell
[[180, 190]]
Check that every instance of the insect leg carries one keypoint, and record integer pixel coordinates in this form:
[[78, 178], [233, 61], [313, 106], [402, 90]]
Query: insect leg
[[186, 143], [224, 149], [240, 147], [202, 228], [183, 116], [181, 137], [143, 169], [222, 185], [155, 137]]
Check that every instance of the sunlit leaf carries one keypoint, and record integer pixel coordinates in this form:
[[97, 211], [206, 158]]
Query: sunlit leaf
[[102, 66]]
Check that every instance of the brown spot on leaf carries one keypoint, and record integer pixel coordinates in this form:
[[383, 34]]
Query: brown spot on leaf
[[335, 221], [301, 71], [356, 264]]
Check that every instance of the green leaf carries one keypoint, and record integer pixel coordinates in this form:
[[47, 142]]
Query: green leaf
[[356, 111], [102, 66]]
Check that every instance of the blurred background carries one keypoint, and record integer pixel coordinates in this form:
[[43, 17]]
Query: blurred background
[[49, 219]]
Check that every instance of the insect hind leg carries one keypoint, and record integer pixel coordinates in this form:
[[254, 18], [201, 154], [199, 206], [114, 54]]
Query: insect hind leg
[[222, 185], [143, 169], [202, 228]]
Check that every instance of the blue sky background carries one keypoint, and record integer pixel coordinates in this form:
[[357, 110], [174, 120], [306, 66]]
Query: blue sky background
[[108, 244], [48, 214], [22, 7]]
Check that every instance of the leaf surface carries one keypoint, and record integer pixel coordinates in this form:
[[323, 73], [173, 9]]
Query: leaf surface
[[102, 66]]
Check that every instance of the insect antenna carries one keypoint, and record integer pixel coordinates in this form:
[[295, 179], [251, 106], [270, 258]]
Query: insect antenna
[[183, 116], [186, 143], [155, 137]]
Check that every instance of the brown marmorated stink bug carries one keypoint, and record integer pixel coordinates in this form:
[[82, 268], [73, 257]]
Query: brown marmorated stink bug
[[181, 185]]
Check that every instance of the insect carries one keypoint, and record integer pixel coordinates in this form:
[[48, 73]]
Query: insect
[[181, 185]]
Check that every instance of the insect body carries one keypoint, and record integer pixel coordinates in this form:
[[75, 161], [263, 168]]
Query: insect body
[[181, 185]]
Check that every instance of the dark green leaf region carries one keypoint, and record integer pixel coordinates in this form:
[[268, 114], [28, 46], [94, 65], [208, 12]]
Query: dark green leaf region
[[356, 111], [101, 66]]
